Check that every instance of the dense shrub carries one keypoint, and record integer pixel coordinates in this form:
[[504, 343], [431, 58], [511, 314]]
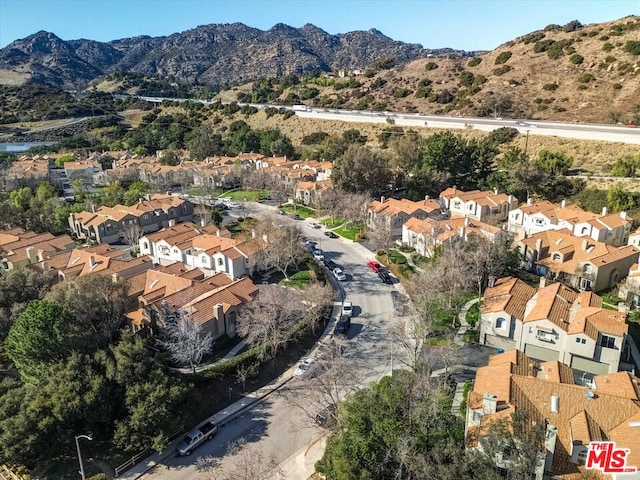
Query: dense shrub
[[502, 135], [533, 37], [503, 57], [475, 61], [610, 59], [607, 47], [586, 78], [543, 45], [558, 109], [632, 47], [401, 92], [576, 59], [378, 83], [616, 86], [502, 70], [552, 27], [431, 66], [550, 87], [572, 26], [604, 38], [466, 79]]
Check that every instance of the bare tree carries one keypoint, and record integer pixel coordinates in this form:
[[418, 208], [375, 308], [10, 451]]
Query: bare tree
[[330, 379], [245, 462], [132, 234], [381, 234], [244, 372], [183, 338], [203, 212], [283, 250], [353, 207], [411, 337], [320, 299], [266, 320]]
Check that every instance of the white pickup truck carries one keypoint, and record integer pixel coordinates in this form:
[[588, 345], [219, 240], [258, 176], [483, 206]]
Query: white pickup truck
[[195, 437]]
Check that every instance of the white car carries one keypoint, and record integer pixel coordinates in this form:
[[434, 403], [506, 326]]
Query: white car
[[318, 255], [339, 274], [314, 225], [347, 309], [304, 367]]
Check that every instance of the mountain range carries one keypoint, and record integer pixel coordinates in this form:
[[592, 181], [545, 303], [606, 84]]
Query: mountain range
[[218, 55]]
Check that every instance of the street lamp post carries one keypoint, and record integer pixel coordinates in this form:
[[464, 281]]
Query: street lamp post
[[230, 393], [88, 437]]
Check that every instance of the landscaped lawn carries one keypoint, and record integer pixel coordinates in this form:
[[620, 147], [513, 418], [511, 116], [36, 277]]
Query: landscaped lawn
[[245, 195], [332, 222], [349, 232], [304, 212], [299, 279], [611, 298]]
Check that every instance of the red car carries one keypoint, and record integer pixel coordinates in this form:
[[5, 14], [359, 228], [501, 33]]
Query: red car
[[373, 265]]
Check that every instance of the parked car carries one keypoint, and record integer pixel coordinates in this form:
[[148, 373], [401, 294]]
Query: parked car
[[326, 416], [385, 277], [304, 367], [314, 225], [339, 274], [330, 264], [373, 265], [310, 245], [342, 327], [347, 310], [331, 234], [195, 437], [318, 255]]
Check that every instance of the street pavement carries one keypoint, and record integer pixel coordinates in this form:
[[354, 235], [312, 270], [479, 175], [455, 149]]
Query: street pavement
[[277, 431]]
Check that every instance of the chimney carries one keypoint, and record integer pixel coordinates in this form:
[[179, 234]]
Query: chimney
[[463, 233], [203, 222], [604, 211], [564, 203], [92, 261], [114, 277], [489, 403], [31, 254], [529, 200], [218, 311], [253, 233], [510, 199], [44, 266], [585, 244], [40, 255], [495, 191], [623, 215], [217, 232], [93, 208], [538, 246], [382, 199], [172, 222], [492, 281], [467, 221], [426, 197], [543, 282], [555, 403]]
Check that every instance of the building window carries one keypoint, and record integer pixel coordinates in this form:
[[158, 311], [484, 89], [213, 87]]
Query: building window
[[538, 221], [557, 257], [220, 261], [516, 216], [545, 336], [607, 341], [584, 230], [500, 322], [456, 204], [581, 340], [145, 216], [145, 245], [204, 259], [586, 268]]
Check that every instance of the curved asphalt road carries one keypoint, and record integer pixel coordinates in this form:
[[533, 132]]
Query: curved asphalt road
[[275, 428]]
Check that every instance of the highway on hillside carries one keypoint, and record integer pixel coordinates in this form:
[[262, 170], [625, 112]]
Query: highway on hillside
[[584, 131], [275, 427]]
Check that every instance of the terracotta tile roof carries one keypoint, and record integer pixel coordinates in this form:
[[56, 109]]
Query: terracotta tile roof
[[509, 295], [486, 198], [392, 206], [583, 250], [579, 418]]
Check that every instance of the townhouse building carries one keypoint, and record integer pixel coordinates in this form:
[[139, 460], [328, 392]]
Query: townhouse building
[[19, 248], [207, 249], [578, 261], [532, 218], [427, 234], [553, 322], [109, 224], [310, 193], [82, 170], [395, 213], [572, 414], [480, 205], [212, 302], [28, 172]]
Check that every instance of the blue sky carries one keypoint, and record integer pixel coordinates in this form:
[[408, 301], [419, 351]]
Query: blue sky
[[463, 24]]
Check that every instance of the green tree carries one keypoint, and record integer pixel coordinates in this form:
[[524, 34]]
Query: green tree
[[21, 198], [40, 336], [361, 170], [17, 288], [554, 163], [204, 143], [625, 166], [619, 199]]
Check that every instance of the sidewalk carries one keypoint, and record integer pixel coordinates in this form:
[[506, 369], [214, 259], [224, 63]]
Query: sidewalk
[[464, 325], [301, 465], [238, 408]]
